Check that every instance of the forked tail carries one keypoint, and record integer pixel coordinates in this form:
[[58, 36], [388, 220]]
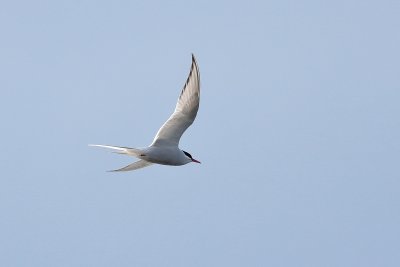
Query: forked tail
[[123, 150], [131, 152]]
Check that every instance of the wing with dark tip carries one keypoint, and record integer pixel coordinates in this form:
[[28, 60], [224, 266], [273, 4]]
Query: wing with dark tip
[[185, 111]]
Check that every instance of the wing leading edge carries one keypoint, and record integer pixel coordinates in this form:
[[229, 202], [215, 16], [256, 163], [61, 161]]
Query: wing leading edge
[[185, 111]]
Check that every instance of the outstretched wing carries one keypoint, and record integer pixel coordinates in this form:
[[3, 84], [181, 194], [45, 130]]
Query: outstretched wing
[[185, 111], [134, 166]]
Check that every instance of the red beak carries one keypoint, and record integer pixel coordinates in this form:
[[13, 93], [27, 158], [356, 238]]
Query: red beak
[[195, 160]]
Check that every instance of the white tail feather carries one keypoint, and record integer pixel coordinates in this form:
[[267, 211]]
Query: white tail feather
[[122, 150]]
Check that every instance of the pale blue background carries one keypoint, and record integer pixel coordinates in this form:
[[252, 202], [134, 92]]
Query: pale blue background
[[298, 132]]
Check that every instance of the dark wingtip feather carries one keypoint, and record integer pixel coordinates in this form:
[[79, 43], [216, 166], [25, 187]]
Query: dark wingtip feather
[[194, 66], [194, 61]]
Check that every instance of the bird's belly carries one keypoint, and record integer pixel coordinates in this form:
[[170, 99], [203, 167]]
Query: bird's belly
[[164, 161], [164, 157]]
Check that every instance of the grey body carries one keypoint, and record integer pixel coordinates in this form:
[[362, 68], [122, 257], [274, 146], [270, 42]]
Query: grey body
[[171, 155]]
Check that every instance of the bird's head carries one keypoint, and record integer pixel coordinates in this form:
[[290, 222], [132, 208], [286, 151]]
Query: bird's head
[[190, 157]]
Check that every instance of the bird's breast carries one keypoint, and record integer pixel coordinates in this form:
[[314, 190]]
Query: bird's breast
[[164, 156]]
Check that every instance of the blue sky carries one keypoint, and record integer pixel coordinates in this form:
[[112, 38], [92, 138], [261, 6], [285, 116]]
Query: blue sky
[[298, 133]]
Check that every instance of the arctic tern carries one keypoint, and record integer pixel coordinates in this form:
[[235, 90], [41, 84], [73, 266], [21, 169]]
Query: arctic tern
[[165, 147]]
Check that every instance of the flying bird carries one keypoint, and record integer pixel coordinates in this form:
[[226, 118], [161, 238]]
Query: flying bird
[[165, 147]]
